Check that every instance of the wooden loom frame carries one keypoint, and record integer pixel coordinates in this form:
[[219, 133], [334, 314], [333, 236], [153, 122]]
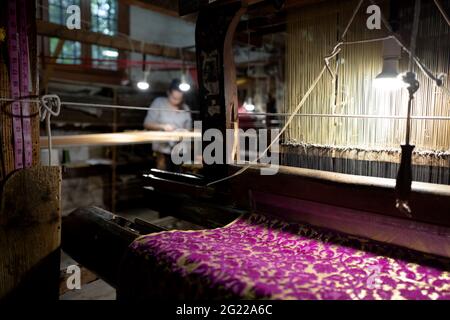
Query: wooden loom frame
[[326, 199], [345, 193]]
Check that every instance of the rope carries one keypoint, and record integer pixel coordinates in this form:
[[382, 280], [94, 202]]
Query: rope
[[22, 99], [299, 106], [442, 11], [94, 105], [352, 18], [50, 105], [414, 34]]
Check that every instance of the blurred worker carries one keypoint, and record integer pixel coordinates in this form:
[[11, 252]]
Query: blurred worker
[[168, 114]]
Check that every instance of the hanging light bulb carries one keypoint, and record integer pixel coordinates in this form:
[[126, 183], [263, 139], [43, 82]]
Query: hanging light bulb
[[143, 84], [248, 105], [390, 78], [184, 85]]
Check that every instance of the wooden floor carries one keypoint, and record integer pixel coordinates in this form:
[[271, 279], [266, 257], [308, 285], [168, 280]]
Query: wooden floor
[[97, 290]]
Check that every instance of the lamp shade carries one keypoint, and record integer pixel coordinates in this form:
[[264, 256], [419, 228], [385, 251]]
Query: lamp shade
[[389, 78]]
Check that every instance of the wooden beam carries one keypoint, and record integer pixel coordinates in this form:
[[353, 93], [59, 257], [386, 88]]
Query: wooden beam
[[431, 202], [116, 139], [49, 29]]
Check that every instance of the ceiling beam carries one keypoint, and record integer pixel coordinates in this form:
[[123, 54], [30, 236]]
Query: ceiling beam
[[49, 29]]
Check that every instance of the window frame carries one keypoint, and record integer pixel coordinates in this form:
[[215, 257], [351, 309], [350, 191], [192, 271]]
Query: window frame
[[90, 73]]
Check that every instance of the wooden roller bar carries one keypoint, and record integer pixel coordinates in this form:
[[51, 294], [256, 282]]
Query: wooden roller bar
[[117, 139]]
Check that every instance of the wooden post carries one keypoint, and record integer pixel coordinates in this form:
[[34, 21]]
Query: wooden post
[[114, 160], [216, 73], [30, 223], [6, 138], [30, 217]]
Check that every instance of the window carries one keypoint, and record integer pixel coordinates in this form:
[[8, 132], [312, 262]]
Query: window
[[104, 20], [71, 52], [57, 10], [104, 16]]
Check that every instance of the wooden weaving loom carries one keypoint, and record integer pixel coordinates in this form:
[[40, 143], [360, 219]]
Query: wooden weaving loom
[[302, 233]]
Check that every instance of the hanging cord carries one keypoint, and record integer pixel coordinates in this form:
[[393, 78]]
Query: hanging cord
[[50, 106], [442, 11], [410, 77], [355, 12], [415, 31]]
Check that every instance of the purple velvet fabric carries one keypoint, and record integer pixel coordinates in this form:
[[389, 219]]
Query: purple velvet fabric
[[261, 258]]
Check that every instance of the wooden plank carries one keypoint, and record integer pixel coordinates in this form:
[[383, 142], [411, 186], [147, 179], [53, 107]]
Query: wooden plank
[[30, 225], [87, 76], [49, 29], [430, 203], [117, 139]]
